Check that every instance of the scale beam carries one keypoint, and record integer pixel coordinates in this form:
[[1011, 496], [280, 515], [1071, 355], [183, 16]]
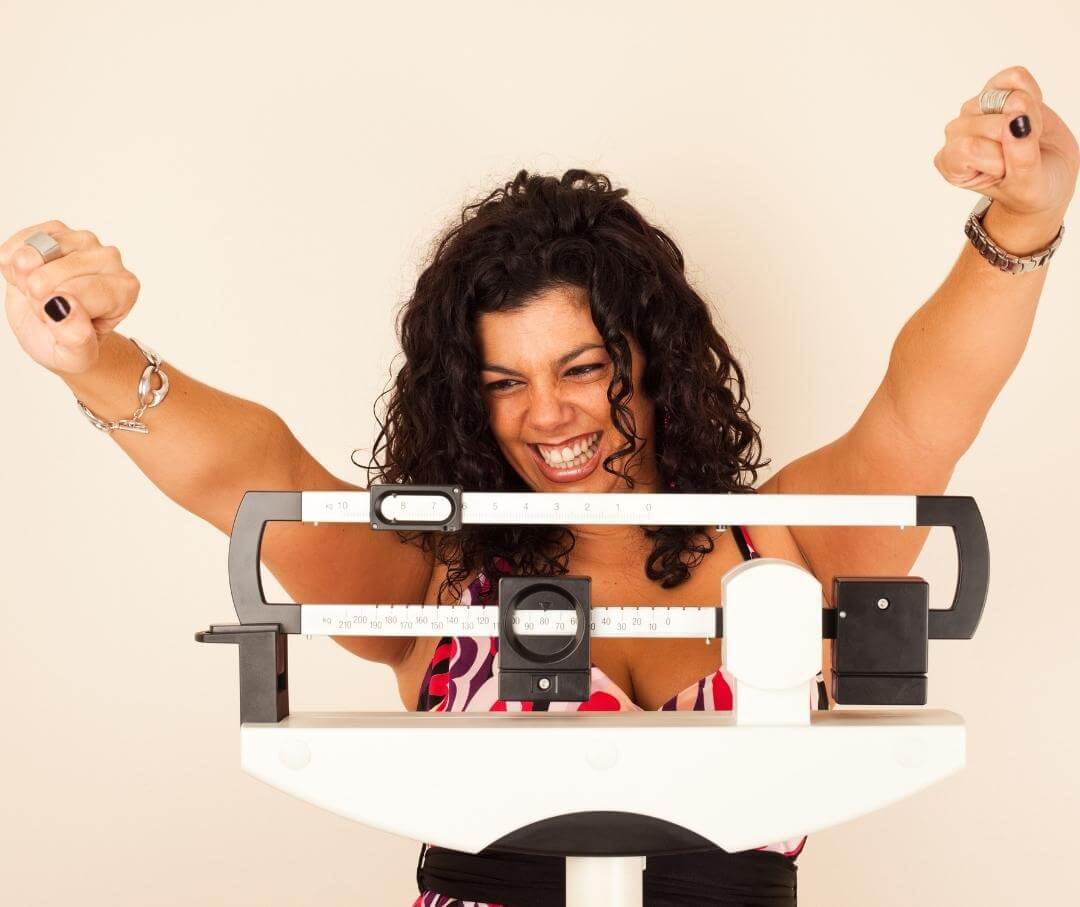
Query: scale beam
[[452, 508]]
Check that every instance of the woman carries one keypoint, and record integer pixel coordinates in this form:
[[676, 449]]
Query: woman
[[554, 332]]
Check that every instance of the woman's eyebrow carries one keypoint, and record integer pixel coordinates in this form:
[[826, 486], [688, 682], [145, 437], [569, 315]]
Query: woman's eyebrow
[[562, 360]]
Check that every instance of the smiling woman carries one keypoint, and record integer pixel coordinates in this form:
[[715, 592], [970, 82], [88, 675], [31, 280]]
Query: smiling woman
[[554, 344], [553, 423], [552, 314]]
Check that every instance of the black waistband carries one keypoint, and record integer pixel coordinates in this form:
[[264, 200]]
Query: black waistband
[[715, 878]]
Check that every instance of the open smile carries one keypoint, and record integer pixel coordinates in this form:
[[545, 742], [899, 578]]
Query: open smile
[[575, 461]]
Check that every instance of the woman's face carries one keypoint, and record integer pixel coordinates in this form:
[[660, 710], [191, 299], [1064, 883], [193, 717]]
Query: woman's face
[[544, 376]]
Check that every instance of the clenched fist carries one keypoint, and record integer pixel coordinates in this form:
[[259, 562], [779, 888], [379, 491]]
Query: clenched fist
[[59, 310], [1025, 158]]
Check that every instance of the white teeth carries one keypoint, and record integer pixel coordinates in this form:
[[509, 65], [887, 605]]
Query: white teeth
[[567, 455]]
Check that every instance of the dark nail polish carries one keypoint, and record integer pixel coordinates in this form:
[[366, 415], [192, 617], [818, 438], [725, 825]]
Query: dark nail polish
[[1021, 126], [57, 308]]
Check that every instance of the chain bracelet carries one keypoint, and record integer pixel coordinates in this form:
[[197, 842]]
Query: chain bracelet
[[147, 397], [997, 256]]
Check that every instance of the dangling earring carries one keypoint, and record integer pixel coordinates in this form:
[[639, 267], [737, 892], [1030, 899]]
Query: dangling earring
[[667, 425]]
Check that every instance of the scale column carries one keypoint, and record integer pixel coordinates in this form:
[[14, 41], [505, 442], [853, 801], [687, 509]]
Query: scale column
[[604, 880], [772, 640]]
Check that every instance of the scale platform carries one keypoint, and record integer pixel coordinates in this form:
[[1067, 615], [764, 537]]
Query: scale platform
[[576, 782]]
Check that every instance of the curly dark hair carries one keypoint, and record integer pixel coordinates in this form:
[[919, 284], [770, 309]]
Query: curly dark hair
[[534, 234]]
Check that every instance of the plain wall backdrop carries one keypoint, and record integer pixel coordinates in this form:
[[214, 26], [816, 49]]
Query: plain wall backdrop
[[274, 174]]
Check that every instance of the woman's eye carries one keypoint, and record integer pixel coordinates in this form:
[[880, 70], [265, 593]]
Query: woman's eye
[[580, 369], [584, 369]]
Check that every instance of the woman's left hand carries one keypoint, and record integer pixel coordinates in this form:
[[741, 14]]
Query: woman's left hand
[[1032, 175]]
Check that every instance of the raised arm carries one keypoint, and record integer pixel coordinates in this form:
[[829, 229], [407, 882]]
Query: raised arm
[[954, 355], [205, 448], [200, 438]]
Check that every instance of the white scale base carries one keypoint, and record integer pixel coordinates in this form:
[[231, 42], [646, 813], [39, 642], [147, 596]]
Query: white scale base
[[738, 787], [771, 769]]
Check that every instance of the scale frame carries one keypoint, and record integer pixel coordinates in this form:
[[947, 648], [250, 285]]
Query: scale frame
[[861, 760]]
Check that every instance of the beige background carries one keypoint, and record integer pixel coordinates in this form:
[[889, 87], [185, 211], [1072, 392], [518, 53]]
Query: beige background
[[274, 174]]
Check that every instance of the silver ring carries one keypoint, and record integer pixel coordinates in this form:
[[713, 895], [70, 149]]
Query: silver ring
[[992, 100], [46, 245]]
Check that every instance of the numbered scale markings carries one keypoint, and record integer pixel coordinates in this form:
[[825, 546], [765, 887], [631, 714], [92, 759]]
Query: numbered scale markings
[[535, 508], [483, 620], [503, 508]]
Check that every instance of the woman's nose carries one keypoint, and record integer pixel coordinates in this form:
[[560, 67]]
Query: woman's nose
[[548, 408]]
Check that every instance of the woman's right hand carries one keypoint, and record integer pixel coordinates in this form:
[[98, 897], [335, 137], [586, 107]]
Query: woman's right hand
[[89, 277]]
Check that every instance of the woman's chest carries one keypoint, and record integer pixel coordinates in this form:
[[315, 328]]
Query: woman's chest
[[653, 669]]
